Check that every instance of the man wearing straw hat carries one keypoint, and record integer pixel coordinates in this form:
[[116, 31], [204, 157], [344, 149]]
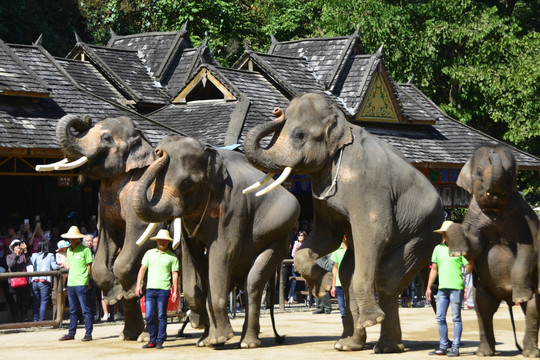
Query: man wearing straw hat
[[450, 293], [79, 262], [163, 266]]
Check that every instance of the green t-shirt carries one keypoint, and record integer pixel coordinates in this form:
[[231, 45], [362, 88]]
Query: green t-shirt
[[160, 266], [337, 257], [449, 268], [78, 261]]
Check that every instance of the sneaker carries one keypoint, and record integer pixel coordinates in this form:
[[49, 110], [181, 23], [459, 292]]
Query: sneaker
[[159, 345], [318, 311], [438, 352], [106, 317], [328, 312], [149, 345], [87, 338], [118, 316], [66, 337], [453, 353]]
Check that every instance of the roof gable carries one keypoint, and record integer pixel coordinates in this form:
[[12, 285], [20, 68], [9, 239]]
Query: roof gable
[[204, 86], [16, 78]]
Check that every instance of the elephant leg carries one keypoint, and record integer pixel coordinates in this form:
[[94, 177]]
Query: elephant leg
[[220, 266], [133, 320], [102, 269], [520, 275], [353, 338], [320, 242], [485, 305], [530, 339], [195, 285], [261, 271]]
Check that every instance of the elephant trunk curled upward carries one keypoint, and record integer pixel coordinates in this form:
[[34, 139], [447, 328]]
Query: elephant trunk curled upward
[[500, 233], [365, 189], [116, 153], [228, 239]]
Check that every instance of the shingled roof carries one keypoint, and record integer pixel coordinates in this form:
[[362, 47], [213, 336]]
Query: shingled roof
[[223, 121], [28, 125], [126, 71]]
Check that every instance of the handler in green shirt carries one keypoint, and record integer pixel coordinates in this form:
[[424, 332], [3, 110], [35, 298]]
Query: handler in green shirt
[[79, 261], [163, 266], [450, 293]]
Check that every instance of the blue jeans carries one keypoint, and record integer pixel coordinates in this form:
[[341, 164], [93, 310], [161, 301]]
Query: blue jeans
[[341, 303], [156, 298], [454, 299], [78, 296], [42, 295]]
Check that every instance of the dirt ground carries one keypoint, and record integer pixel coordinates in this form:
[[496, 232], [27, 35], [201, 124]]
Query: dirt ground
[[307, 336]]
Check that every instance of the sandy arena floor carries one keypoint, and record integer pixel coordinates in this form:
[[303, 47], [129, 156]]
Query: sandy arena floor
[[307, 336]]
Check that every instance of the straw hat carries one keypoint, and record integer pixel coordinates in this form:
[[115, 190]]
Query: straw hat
[[444, 227], [13, 243], [73, 233], [162, 234]]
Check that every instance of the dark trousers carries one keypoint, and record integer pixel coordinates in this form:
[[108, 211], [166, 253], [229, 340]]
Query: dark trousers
[[42, 296], [78, 296], [323, 303], [156, 298]]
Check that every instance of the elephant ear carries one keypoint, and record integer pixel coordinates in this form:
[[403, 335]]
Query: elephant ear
[[141, 153], [465, 176], [215, 171], [338, 133]]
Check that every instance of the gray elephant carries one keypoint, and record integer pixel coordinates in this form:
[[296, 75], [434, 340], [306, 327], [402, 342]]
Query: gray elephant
[[365, 189], [228, 240], [115, 152], [500, 233]]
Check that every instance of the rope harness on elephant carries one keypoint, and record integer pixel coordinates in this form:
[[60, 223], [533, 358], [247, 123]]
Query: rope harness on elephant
[[334, 181], [192, 235]]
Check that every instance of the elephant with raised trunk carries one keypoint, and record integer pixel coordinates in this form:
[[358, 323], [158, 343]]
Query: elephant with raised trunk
[[500, 233], [228, 239], [363, 188], [115, 152]]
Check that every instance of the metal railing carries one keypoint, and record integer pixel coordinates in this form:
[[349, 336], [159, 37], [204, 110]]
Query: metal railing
[[57, 275]]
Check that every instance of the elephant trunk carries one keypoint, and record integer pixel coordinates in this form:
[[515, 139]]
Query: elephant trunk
[[161, 208], [495, 182], [66, 139], [270, 159]]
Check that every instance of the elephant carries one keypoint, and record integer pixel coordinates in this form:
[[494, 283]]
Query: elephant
[[115, 152], [500, 233], [363, 188], [228, 240]]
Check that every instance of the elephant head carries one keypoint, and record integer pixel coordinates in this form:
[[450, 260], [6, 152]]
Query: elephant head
[[183, 174], [110, 147], [305, 138], [490, 176]]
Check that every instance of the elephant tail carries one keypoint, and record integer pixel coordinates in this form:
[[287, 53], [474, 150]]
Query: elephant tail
[[271, 299], [513, 326]]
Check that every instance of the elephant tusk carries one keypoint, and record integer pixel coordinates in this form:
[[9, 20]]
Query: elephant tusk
[[146, 234], [284, 175], [72, 165], [50, 167], [177, 231], [258, 184]]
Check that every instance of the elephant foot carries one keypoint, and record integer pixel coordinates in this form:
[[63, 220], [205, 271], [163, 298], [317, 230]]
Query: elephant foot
[[130, 334], [203, 340], [115, 294], [250, 342], [531, 353], [144, 337], [387, 347], [349, 344], [320, 289], [370, 317], [485, 350], [221, 338], [521, 294]]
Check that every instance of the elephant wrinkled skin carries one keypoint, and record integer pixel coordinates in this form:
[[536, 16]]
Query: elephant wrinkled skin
[[365, 189], [115, 152], [500, 233], [228, 239]]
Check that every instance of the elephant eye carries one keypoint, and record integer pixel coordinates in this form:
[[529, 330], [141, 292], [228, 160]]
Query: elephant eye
[[299, 134], [186, 184], [479, 172], [107, 139]]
